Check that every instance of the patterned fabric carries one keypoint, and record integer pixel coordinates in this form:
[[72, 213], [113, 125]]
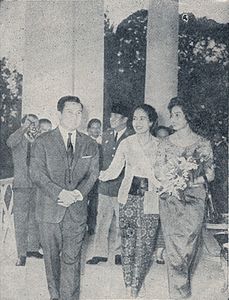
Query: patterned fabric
[[160, 239], [167, 151], [138, 235], [127, 155], [182, 219]]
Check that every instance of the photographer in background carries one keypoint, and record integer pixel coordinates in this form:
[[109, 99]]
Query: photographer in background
[[26, 227]]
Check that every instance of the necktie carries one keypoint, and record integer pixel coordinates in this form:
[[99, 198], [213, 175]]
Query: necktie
[[70, 155], [28, 154]]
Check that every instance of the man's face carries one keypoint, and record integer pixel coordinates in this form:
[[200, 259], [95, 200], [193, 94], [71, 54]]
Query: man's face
[[71, 116], [45, 127], [95, 130], [117, 121]]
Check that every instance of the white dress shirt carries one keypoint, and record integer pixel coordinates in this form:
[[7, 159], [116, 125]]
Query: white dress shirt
[[64, 132]]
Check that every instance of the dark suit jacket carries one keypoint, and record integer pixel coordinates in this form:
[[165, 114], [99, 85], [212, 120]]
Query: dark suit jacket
[[18, 143], [49, 171], [111, 187]]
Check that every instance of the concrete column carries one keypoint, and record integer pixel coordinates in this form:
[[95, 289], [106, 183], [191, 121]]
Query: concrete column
[[161, 61], [63, 55], [89, 55]]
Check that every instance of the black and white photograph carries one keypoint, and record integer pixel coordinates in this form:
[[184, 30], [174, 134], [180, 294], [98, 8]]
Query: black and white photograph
[[114, 149]]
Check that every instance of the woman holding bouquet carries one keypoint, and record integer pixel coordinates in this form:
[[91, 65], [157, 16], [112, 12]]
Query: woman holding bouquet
[[138, 223], [183, 165]]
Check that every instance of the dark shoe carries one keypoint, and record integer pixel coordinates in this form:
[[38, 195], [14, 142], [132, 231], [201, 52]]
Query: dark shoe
[[21, 261], [35, 254], [118, 260], [96, 259]]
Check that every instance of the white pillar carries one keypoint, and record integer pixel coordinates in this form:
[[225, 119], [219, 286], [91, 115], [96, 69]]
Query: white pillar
[[89, 55], [63, 55], [162, 54]]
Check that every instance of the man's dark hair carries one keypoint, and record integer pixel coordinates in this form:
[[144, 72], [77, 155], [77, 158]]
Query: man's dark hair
[[93, 121], [63, 100], [43, 121], [28, 115]]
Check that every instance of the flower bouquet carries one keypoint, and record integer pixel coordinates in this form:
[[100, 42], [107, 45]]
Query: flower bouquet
[[177, 175]]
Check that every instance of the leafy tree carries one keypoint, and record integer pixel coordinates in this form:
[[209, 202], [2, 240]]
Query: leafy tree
[[10, 111], [203, 72], [125, 55], [203, 67]]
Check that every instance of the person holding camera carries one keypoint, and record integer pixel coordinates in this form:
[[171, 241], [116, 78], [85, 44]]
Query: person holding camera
[[26, 227]]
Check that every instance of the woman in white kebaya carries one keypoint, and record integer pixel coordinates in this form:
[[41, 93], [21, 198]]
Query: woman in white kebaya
[[139, 219]]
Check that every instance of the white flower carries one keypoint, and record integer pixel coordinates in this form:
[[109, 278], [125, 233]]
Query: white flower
[[177, 174]]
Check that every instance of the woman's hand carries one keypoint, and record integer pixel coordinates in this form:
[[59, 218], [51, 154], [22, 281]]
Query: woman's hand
[[102, 176], [122, 202]]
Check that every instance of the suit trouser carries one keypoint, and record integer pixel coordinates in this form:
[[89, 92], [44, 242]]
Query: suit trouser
[[62, 243], [26, 227], [92, 208], [107, 208]]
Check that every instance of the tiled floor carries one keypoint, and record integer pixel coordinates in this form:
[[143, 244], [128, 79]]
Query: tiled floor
[[105, 281]]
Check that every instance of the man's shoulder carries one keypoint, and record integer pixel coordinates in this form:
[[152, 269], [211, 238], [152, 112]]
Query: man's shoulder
[[90, 144], [86, 138], [45, 137], [109, 132]]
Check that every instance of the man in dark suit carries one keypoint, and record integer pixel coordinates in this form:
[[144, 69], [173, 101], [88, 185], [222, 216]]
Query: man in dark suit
[[64, 166], [26, 227], [94, 131], [108, 191]]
